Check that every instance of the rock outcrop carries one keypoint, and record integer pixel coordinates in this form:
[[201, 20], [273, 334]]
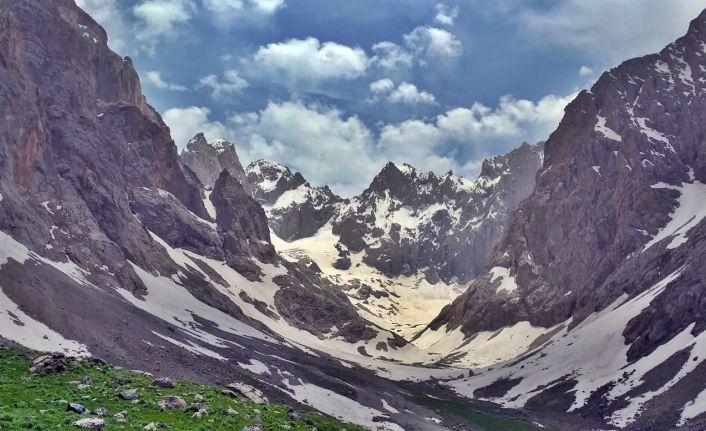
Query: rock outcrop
[[608, 247], [207, 159]]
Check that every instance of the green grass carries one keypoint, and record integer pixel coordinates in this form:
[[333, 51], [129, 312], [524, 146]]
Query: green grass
[[477, 416], [29, 401]]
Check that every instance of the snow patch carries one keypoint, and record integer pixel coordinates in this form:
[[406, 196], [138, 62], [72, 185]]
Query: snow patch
[[605, 130], [690, 210]]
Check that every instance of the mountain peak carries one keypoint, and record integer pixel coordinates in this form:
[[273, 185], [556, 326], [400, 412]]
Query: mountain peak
[[207, 159]]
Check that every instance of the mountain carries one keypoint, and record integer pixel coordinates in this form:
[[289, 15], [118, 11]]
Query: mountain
[[111, 247], [407, 221], [208, 158], [295, 209], [401, 250], [601, 265]]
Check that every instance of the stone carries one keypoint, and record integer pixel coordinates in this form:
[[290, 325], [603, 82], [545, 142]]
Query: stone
[[128, 394], [48, 364], [76, 408], [93, 424], [249, 392], [173, 402], [121, 416], [163, 382]]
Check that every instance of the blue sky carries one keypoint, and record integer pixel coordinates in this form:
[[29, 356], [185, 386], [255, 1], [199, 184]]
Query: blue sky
[[335, 89]]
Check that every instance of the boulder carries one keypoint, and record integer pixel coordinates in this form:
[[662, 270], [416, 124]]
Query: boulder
[[93, 424], [249, 392], [163, 382], [173, 402]]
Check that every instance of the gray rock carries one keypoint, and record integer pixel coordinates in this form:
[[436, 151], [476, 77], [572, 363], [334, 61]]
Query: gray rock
[[207, 159], [163, 382], [76, 408], [173, 402], [93, 424], [129, 394], [48, 364], [249, 392]]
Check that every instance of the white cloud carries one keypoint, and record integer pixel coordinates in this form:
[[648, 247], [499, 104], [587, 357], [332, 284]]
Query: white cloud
[[410, 94], [226, 13], [404, 93], [433, 42], [585, 71], [232, 83], [155, 78], [331, 148], [159, 19], [184, 123], [598, 28], [382, 86], [518, 118], [309, 60], [321, 142], [445, 15], [389, 55], [268, 6]]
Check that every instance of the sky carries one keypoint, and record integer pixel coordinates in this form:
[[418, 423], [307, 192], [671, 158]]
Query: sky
[[337, 88]]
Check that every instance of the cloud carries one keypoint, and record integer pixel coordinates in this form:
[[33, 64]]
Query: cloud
[[389, 55], [410, 94], [404, 93], [155, 78], [184, 123], [382, 86], [225, 13], [232, 83], [331, 148], [598, 28], [309, 60], [433, 42], [268, 6], [460, 138], [321, 142], [159, 19], [445, 15], [585, 71]]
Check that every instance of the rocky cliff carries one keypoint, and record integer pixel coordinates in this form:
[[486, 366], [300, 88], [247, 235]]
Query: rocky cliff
[[109, 246], [207, 159], [608, 247]]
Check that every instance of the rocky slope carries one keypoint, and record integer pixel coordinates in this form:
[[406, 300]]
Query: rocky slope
[[207, 159], [603, 259]]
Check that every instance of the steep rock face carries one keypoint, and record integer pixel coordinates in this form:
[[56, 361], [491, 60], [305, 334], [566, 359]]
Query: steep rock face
[[611, 177], [208, 158], [410, 222], [243, 225], [613, 233], [295, 209], [67, 157], [91, 184]]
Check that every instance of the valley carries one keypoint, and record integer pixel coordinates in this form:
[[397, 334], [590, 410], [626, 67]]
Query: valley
[[560, 289]]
